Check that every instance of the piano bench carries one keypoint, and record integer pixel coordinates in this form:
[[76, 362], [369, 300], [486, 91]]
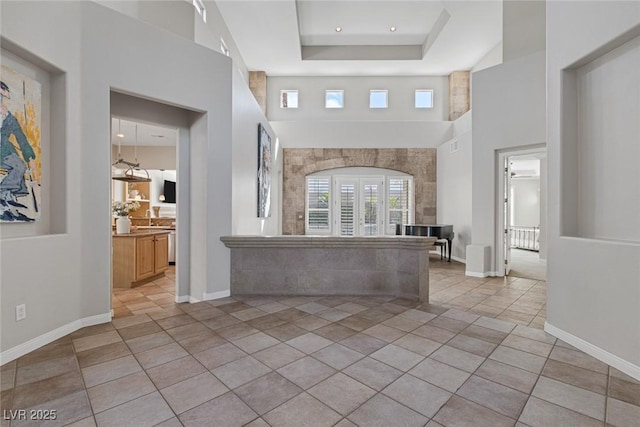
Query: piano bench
[[442, 244]]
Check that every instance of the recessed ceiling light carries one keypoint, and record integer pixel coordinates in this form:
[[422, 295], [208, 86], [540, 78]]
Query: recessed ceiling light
[[119, 135], [338, 29], [393, 29], [157, 136]]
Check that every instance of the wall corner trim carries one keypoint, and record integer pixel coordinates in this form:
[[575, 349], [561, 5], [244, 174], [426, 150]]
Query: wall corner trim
[[44, 339], [182, 298], [216, 295], [592, 350]]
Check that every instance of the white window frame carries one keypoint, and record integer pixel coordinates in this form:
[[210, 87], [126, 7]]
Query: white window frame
[[336, 206], [326, 94], [199, 6], [415, 99], [391, 228], [386, 98], [358, 180], [224, 48], [329, 209], [283, 91], [380, 215]]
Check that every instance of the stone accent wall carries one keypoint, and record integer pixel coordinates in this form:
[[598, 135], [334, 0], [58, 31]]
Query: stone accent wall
[[300, 162], [459, 96], [258, 86]]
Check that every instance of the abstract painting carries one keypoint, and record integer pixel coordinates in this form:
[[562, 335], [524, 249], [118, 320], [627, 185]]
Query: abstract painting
[[264, 172], [20, 149]]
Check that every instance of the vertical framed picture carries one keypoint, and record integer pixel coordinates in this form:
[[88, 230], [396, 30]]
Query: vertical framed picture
[[20, 150], [264, 172]]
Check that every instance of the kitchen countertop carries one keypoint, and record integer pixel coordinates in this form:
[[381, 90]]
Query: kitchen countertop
[[144, 232]]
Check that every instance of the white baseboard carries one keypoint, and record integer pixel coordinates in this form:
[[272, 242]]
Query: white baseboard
[[216, 295], [485, 274], [49, 337], [592, 350], [461, 260], [476, 274], [205, 297]]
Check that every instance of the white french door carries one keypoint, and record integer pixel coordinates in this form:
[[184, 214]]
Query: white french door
[[346, 210], [358, 209]]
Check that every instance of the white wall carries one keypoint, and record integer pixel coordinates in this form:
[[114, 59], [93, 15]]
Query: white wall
[[608, 112], [522, 28], [311, 98], [508, 114], [72, 280], [525, 202], [454, 185], [492, 58], [593, 285], [544, 208], [156, 157], [209, 34], [246, 116], [361, 134], [179, 17]]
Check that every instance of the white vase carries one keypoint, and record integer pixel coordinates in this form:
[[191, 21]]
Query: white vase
[[123, 225]]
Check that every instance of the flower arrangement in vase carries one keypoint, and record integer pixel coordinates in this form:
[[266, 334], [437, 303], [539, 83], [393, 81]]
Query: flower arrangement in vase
[[122, 209]]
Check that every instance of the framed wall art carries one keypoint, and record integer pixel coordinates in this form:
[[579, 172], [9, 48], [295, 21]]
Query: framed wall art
[[20, 149], [264, 172]]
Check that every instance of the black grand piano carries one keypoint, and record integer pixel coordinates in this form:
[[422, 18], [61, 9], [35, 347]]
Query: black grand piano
[[441, 231]]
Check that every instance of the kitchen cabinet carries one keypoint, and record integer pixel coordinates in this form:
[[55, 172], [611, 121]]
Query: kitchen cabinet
[[161, 253], [139, 257]]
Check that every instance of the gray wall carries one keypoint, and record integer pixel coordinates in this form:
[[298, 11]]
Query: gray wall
[[72, 278], [522, 28], [356, 125], [508, 114], [454, 186], [246, 116], [593, 284]]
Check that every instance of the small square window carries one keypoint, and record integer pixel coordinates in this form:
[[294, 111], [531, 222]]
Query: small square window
[[334, 99], [378, 99], [424, 98], [288, 99]]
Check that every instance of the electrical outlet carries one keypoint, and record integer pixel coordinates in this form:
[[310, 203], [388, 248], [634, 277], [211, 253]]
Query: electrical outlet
[[21, 312]]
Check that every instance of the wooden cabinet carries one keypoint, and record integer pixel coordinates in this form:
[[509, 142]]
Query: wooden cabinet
[[138, 257], [145, 257], [161, 253]]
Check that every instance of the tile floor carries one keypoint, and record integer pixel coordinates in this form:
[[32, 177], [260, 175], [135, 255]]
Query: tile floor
[[516, 300], [322, 361]]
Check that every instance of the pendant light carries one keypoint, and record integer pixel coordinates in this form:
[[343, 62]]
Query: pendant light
[[130, 173], [161, 197]]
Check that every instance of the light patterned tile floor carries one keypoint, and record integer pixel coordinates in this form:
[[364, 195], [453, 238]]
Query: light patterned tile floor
[[389, 362]]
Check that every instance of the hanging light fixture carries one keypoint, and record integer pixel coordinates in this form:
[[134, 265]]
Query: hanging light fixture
[[161, 197], [130, 172]]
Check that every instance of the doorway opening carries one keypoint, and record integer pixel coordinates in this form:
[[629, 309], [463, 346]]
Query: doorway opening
[[522, 214], [144, 259]]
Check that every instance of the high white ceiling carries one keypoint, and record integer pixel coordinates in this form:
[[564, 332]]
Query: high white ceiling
[[432, 37]]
